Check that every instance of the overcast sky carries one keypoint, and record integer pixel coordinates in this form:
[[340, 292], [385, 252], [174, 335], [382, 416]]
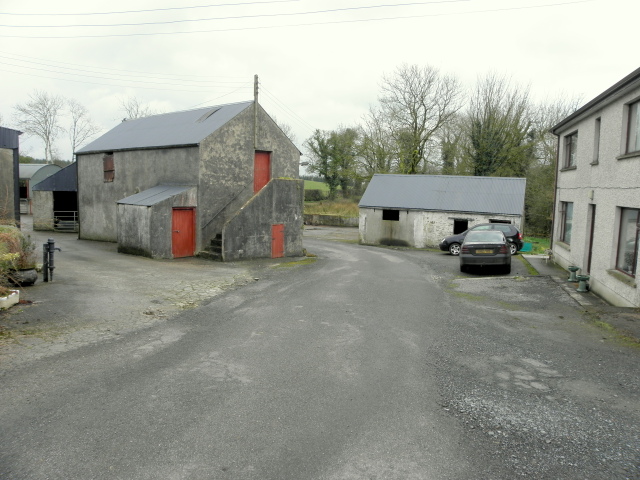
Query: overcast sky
[[319, 62]]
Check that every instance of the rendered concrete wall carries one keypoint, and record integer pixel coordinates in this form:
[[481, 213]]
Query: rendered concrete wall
[[7, 191], [226, 171], [146, 230], [609, 183], [417, 228], [42, 206], [248, 233], [135, 171]]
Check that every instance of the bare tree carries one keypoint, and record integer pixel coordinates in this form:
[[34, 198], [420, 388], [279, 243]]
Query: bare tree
[[416, 102], [376, 149], [81, 128], [40, 116], [134, 109], [286, 129]]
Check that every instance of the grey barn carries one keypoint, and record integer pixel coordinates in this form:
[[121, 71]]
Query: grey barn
[[419, 210], [222, 180]]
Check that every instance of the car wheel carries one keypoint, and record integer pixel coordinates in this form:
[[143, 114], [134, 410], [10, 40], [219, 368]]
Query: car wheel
[[507, 269], [463, 268], [454, 249], [513, 248]]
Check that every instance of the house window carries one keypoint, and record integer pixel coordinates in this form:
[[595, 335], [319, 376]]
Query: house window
[[566, 221], [596, 141], [108, 167], [627, 255], [570, 149], [633, 130], [391, 215]]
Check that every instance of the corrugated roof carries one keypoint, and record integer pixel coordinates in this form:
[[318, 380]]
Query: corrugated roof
[[65, 180], [169, 129], [155, 195], [496, 195], [28, 170]]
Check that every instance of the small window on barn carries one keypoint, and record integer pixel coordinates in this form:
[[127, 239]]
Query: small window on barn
[[108, 167], [391, 215]]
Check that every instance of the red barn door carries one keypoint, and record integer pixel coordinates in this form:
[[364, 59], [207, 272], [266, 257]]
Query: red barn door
[[183, 227], [277, 240], [261, 170]]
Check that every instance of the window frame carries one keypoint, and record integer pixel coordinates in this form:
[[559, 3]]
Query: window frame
[[633, 128], [566, 220], [570, 150], [622, 238], [108, 168], [596, 141]]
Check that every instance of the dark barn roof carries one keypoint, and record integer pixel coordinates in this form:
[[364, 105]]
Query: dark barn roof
[[187, 128], [9, 138], [448, 193], [64, 180]]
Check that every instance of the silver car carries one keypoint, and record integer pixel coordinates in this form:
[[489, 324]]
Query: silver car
[[482, 248]]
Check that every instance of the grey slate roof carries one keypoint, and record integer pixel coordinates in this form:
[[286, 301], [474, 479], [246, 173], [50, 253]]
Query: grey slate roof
[[154, 195], [496, 195], [65, 180], [167, 130]]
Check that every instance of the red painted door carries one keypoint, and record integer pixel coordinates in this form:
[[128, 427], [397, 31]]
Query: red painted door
[[277, 240], [183, 227], [261, 170]]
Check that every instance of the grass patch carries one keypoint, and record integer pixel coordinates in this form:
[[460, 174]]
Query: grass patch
[[618, 335], [312, 185], [538, 244], [304, 261], [342, 208]]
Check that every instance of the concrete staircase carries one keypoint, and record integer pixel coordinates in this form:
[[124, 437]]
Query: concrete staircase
[[214, 250]]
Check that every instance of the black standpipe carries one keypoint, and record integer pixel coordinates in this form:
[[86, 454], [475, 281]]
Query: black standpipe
[[47, 260]]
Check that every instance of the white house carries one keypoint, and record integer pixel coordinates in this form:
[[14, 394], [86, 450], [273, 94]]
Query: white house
[[419, 210], [597, 205]]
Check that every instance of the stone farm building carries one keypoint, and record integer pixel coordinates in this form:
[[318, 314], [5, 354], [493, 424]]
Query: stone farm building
[[220, 179]]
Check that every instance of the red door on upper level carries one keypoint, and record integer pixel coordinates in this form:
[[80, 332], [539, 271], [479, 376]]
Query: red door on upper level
[[277, 240], [261, 170], [183, 228]]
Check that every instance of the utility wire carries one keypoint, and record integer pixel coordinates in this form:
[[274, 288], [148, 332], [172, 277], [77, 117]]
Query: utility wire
[[84, 72], [146, 11], [238, 17], [36, 60], [332, 22]]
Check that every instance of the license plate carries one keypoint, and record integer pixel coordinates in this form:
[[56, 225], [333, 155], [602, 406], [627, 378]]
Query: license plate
[[484, 250]]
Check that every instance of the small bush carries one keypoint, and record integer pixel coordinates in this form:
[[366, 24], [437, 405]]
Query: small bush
[[314, 195]]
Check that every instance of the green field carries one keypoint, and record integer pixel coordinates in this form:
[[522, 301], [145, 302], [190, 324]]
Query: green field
[[311, 185]]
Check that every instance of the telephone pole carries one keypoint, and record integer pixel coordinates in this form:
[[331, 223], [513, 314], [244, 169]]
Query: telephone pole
[[255, 112]]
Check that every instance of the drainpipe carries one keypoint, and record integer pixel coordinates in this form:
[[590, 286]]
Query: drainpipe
[[555, 191]]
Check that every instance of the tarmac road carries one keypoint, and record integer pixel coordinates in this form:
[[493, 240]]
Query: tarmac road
[[368, 363]]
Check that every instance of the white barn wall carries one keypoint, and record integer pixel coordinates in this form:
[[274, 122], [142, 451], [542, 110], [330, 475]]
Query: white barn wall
[[417, 228]]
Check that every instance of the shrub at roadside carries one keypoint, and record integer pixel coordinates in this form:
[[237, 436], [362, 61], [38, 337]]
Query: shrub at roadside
[[314, 195], [17, 252]]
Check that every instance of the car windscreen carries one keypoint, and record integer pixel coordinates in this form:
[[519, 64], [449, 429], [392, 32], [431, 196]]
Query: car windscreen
[[484, 236]]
